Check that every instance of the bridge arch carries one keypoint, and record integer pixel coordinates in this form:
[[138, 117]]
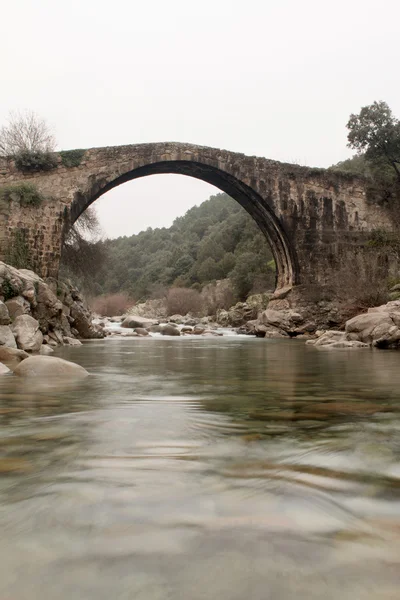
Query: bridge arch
[[282, 249]]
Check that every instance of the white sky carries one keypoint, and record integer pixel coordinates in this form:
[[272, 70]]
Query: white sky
[[275, 78]]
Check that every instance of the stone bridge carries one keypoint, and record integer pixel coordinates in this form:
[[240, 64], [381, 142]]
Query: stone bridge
[[317, 222]]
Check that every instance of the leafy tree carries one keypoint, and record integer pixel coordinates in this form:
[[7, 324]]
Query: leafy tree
[[376, 133]]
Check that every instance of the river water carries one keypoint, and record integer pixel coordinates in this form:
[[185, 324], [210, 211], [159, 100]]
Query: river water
[[200, 469]]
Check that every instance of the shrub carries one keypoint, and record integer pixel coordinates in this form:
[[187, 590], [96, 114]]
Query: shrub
[[29, 162], [72, 158], [111, 305], [26, 193], [217, 296], [182, 300]]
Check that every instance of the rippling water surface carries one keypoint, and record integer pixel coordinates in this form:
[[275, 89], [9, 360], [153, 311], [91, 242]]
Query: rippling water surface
[[229, 468]]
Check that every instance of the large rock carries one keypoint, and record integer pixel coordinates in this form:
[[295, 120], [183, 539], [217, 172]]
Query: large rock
[[4, 315], [82, 322], [18, 306], [141, 331], [69, 341], [7, 337], [380, 328], [170, 330], [27, 333], [49, 367], [133, 321], [332, 340], [3, 369], [48, 310], [12, 355]]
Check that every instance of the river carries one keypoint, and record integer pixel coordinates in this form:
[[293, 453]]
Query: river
[[203, 469]]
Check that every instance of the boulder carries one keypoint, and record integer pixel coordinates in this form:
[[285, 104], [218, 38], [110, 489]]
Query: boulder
[[27, 333], [3, 369], [82, 321], [286, 322], [328, 337], [69, 341], [332, 339], [48, 310], [18, 306], [141, 331], [179, 319], [46, 349], [4, 316], [49, 367], [198, 330], [133, 321], [378, 327], [170, 329], [154, 328], [7, 337], [186, 329], [12, 355]]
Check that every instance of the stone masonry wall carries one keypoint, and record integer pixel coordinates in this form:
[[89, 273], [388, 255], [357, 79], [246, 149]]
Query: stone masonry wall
[[315, 220]]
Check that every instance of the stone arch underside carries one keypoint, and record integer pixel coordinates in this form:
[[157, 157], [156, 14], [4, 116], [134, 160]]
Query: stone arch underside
[[282, 250]]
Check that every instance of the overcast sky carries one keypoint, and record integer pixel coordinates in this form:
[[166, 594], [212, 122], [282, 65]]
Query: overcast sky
[[275, 78]]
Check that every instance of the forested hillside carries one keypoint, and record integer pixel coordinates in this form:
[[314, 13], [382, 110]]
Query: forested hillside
[[215, 240]]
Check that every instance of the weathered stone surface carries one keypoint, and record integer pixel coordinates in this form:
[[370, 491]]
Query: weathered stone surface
[[141, 331], [69, 341], [82, 322], [132, 321], [12, 355], [7, 337], [378, 328], [319, 220], [46, 367], [4, 316], [27, 333], [46, 350], [18, 306], [154, 328], [170, 330], [4, 370]]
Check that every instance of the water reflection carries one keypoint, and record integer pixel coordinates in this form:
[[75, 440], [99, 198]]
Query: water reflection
[[202, 469]]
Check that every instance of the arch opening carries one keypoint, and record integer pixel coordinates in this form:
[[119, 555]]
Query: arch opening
[[258, 208]]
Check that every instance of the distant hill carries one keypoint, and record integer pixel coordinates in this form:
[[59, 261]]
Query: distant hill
[[215, 240]]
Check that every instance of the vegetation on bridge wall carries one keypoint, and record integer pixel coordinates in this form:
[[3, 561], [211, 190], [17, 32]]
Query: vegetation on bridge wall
[[26, 194], [72, 158]]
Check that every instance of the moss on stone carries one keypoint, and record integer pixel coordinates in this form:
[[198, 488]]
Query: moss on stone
[[72, 158]]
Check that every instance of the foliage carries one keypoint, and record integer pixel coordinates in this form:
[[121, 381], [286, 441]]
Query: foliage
[[356, 165], [18, 253], [72, 158], [376, 133], [30, 162], [82, 255], [181, 301], [206, 244], [111, 304], [25, 133], [26, 193]]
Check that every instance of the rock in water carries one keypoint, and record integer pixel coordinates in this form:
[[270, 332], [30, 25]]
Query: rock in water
[[7, 337], [49, 366], [4, 370], [170, 330], [133, 321], [27, 333], [12, 355]]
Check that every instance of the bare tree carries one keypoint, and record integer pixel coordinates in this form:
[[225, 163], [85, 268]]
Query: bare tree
[[25, 132]]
